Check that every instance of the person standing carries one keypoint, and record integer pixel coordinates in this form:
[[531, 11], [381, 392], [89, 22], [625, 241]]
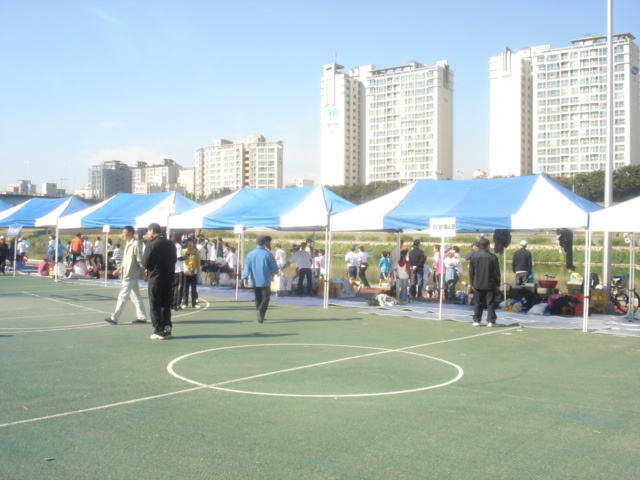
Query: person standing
[[303, 260], [522, 263], [132, 271], [351, 259], [4, 253], [77, 245], [484, 275], [363, 264], [160, 261], [98, 251], [191, 270], [261, 266], [281, 256], [178, 278], [416, 264], [87, 250], [403, 272]]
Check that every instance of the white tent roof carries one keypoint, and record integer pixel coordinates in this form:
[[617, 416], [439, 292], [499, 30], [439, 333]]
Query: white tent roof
[[618, 218]]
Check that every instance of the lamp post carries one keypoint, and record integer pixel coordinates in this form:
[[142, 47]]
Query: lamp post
[[73, 179], [28, 162], [461, 173]]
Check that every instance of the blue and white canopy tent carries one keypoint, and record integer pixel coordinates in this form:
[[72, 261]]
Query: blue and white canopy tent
[[302, 209], [125, 209], [622, 217], [138, 210], [26, 214], [4, 205], [528, 203], [532, 202]]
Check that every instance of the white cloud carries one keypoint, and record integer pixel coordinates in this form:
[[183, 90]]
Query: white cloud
[[110, 124]]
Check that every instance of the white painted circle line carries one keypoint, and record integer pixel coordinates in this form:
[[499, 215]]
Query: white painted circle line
[[379, 351]]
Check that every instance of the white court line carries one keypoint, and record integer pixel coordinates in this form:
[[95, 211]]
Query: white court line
[[128, 402]]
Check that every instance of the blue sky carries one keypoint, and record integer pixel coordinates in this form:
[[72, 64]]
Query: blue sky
[[83, 81]]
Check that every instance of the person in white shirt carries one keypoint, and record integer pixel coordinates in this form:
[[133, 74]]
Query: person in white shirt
[[363, 263], [320, 263], [303, 260], [87, 250], [23, 250], [351, 259], [98, 250], [178, 279], [232, 260], [281, 256]]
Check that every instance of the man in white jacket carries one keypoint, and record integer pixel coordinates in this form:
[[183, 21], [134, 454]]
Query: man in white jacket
[[132, 271]]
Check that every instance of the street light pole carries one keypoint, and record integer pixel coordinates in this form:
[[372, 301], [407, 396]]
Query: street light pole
[[461, 173]]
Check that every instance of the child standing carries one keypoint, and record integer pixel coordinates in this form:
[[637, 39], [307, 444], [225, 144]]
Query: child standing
[[385, 268]]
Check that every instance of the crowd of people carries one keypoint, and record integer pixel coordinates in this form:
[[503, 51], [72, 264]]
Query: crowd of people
[[408, 272]]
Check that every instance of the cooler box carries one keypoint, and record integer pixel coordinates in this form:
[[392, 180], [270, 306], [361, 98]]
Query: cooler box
[[281, 283]]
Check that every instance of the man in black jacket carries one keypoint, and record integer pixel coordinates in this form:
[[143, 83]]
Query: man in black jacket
[[484, 274], [416, 264], [160, 261], [522, 263]]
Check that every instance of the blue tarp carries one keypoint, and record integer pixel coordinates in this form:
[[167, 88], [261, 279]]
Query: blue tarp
[[515, 203], [303, 208], [26, 213], [138, 210]]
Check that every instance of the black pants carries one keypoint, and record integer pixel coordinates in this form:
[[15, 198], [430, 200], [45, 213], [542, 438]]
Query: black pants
[[417, 282], [484, 299], [160, 295], [305, 272], [263, 295], [190, 281], [2, 262], [363, 277], [176, 300]]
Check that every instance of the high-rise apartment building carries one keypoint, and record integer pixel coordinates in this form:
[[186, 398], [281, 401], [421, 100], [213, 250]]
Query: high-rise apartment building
[[162, 177], [225, 164], [386, 124], [108, 179], [549, 108]]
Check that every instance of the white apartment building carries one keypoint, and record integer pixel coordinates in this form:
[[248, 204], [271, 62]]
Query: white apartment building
[[393, 123], [155, 178], [108, 179], [230, 165], [264, 160], [568, 103]]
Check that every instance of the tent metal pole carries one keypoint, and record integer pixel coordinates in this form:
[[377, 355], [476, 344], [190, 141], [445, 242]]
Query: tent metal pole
[[631, 288], [241, 248], [55, 254], [327, 262], [325, 290], [587, 281], [105, 256], [441, 275]]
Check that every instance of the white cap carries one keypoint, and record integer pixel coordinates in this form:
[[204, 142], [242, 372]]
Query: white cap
[[523, 243]]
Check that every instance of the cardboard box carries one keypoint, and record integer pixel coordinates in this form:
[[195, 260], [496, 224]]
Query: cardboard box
[[598, 301], [281, 283]]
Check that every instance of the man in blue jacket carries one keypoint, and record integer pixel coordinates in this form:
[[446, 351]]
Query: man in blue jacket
[[262, 266]]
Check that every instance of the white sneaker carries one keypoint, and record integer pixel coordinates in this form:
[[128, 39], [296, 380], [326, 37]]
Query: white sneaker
[[156, 336], [491, 324], [476, 324], [197, 306], [183, 307]]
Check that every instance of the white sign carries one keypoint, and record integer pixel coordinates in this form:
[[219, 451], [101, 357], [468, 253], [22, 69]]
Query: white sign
[[238, 229], [443, 227], [106, 228]]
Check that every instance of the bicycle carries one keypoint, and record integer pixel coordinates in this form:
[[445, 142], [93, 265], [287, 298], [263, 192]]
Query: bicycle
[[621, 295]]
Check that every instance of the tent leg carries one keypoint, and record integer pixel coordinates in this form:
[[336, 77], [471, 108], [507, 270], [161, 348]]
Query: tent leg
[[587, 281]]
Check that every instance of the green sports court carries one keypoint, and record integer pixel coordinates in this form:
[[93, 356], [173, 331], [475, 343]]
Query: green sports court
[[336, 394]]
